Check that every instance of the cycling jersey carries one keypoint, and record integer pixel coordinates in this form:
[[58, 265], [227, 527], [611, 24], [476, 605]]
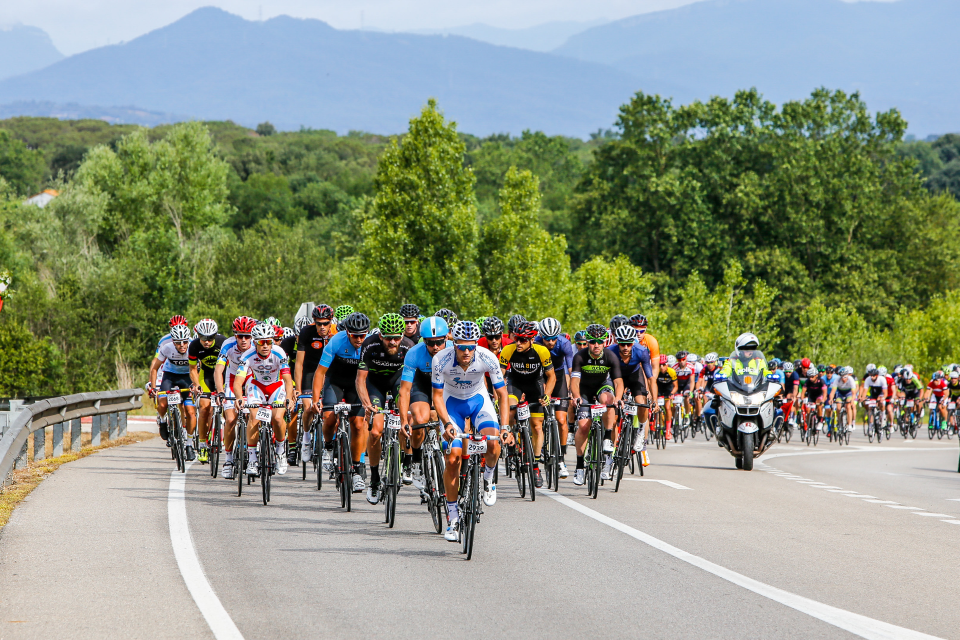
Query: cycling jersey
[[938, 387], [910, 387], [341, 359], [206, 360], [504, 341], [450, 376], [380, 365], [526, 367], [846, 384], [831, 381], [418, 364], [639, 360], [815, 389], [684, 377], [651, 344], [954, 389], [561, 354], [173, 361], [312, 344], [264, 370], [781, 377], [289, 346], [594, 372], [666, 378], [708, 376]]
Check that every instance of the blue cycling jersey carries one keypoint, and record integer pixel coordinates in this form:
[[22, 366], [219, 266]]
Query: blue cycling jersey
[[342, 360], [561, 354], [420, 361], [639, 357]]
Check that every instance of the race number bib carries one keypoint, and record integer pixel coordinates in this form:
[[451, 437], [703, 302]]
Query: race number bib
[[871, 403], [523, 411], [476, 446], [341, 407], [597, 410], [173, 398], [630, 410], [933, 403], [909, 403], [263, 414], [393, 421], [660, 401]]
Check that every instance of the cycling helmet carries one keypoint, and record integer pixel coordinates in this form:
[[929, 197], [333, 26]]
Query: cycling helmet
[[671, 361], [289, 333], [492, 326], [391, 324], [479, 321], [954, 375], [937, 375], [278, 333], [831, 368], [514, 321], [805, 363], [550, 328], [596, 332], [638, 320], [775, 363], [882, 370], [663, 360], [811, 372], [180, 333], [322, 312], [905, 373], [821, 368], [206, 328], [525, 330], [788, 367], [356, 322], [434, 327], [272, 322], [466, 330], [625, 334], [176, 320], [263, 331], [342, 312], [747, 341], [682, 355], [243, 325], [447, 315], [871, 366], [692, 358], [873, 372], [580, 336], [618, 320], [300, 324], [409, 311]]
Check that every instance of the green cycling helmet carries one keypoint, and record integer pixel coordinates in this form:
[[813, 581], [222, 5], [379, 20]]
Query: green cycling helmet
[[391, 324], [342, 312], [480, 320]]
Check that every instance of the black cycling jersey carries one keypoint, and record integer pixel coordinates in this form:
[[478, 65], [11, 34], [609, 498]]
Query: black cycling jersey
[[708, 375], [289, 346], [593, 372], [205, 358], [382, 366], [310, 342]]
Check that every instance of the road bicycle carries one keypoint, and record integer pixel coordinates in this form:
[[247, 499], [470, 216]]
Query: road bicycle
[[391, 458], [874, 419], [240, 454], [215, 436], [519, 459], [343, 459], [266, 445], [681, 419], [469, 502], [551, 443], [432, 492], [593, 454], [660, 428], [812, 423], [623, 453], [175, 433]]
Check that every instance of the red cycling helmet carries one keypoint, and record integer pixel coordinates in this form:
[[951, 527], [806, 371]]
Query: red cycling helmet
[[278, 332], [663, 359], [322, 312], [178, 320], [243, 325], [805, 363], [525, 330]]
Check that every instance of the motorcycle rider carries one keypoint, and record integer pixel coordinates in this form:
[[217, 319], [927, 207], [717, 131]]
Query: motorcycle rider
[[747, 346]]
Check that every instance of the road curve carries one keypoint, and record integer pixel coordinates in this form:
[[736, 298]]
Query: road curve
[[828, 542]]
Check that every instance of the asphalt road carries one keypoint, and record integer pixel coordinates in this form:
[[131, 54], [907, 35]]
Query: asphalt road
[[826, 543]]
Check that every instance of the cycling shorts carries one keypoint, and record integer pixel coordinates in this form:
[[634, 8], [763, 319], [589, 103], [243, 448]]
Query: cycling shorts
[[589, 395], [683, 385], [843, 394], [875, 392], [378, 393], [478, 408], [332, 394], [181, 381], [636, 383], [532, 392], [258, 393], [421, 391], [912, 393], [306, 380], [560, 390], [207, 384]]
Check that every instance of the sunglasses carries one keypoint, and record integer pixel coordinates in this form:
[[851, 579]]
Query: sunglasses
[[523, 340], [322, 324], [393, 338], [553, 339], [497, 336], [242, 336], [414, 321], [207, 338], [581, 344], [595, 341], [179, 342], [356, 335], [263, 343], [625, 344], [435, 343], [466, 347]]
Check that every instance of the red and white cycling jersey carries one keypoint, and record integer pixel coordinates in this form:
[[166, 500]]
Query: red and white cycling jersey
[[938, 387], [261, 370], [891, 385]]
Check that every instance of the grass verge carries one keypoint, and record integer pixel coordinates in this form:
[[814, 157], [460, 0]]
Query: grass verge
[[26, 480]]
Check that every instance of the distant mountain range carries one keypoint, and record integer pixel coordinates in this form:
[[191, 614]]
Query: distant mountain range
[[542, 37], [74, 111], [24, 49], [214, 65]]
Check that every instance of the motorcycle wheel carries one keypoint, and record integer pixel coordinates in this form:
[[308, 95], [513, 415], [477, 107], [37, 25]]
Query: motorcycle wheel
[[748, 452]]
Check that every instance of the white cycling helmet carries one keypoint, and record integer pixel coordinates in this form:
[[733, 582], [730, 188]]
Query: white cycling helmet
[[206, 328], [882, 370], [180, 333], [263, 331], [692, 358], [671, 361], [954, 375], [710, 357], [788, 367], [466, 330], [301, 323], [549, 328], [747, 341]]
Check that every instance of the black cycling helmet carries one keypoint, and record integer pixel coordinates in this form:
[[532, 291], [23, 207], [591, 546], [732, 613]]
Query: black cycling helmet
[[638, 320], [492, 326], [410, 311], [681, 355], [526, 330], [449, 316], [596, 332], [322, 312], [356, 322], [580, 336], [618, 320], [514, 321]]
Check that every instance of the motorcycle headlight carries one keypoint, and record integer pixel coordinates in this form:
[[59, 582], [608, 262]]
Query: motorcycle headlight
[[757, 398], [737, 398]]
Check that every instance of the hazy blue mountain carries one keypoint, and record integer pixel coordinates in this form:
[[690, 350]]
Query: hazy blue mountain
[[542, 37], [214, 65], [24, 49], [113, 115], [897, 54]]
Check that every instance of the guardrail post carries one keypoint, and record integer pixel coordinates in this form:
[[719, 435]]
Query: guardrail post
[[95, 430], [122, 419], [114, 425], [40, 444], [57, 440], [21, 461], [75, 436]]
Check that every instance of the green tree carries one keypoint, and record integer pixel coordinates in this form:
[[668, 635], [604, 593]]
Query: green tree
[[28, 366], [21, 167], [602, 288]]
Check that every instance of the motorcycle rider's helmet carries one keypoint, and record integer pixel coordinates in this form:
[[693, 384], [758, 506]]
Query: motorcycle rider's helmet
[[747, 341]]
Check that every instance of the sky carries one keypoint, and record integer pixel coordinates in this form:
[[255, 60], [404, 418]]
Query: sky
[[78, 25]]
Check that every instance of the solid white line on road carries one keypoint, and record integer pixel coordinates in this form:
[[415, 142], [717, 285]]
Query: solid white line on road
[[954, 499], [210, 606], [847, 620], [881, 501], [933, 515], [951, 521], [858, 495], [673, 485], [900, 506]]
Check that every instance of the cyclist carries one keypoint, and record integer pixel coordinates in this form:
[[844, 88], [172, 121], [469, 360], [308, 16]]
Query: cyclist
[[411, 322], [636, 370], [172, 357], [335, 381], [845, 390], [936, 389], [339, 315], [459, 392], [493, 336], [816, 390], [909, 385], [416, 393], [830, 379], [270, 383], [203, 354], [528, 371], [705, 388], [616, 321], [310, 344], [227, 364], [449, 317], [685, 377], [595, 377], [579, 340], [666, 387], [875, 388], [561, 352], [378, 374], [953, 390], [512, 324], [639, 322]]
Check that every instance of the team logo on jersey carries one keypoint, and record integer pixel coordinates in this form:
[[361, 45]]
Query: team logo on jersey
[[316, 344], [462, 383]]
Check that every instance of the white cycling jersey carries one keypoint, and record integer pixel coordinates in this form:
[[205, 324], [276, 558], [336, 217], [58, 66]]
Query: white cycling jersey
[[264, 370], [847, 383], [879, 383], [173, 361], [230, 356], [450, 376]]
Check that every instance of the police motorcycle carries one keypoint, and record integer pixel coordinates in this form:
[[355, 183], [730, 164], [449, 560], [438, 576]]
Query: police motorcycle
[[748, 412]]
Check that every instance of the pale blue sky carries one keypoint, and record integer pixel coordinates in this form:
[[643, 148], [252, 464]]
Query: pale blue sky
[[77, 25]]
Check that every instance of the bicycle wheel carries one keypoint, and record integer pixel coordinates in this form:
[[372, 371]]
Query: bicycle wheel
[[597, 456], [816, 432], [393, 485], [239, 463], [344, 469], [429, 487], [474, 506], [621, 457], [264, 455], [528, 464], [811, 427], [216, 441]]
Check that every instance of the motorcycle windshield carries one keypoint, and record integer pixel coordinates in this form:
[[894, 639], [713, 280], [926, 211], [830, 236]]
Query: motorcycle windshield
[[748, 370]]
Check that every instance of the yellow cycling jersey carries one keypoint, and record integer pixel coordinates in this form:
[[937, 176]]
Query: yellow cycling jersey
[[526, 365]]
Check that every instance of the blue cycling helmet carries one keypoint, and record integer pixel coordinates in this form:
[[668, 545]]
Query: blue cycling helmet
[[434, 327]]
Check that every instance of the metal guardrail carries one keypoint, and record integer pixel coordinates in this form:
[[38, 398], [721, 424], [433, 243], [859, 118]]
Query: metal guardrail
[[61, 413]]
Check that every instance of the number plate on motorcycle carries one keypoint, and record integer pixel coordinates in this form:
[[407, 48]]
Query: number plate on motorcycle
[[393, 421], [630, 410], [341, 407], [173, 398], [476, 446], [660, 401], [263, 414], [597, 410], [523, 411]]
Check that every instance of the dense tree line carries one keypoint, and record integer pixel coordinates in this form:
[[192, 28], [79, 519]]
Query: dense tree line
[[812, 224]]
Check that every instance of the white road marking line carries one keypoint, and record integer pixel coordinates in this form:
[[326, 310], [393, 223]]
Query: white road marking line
[[951, 521], [829, 486], [857, 495], [840, 491], [672, 485], [899, 506], [881, 501], [932, 515], [210, 606], [847, 620], [954, 499]]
